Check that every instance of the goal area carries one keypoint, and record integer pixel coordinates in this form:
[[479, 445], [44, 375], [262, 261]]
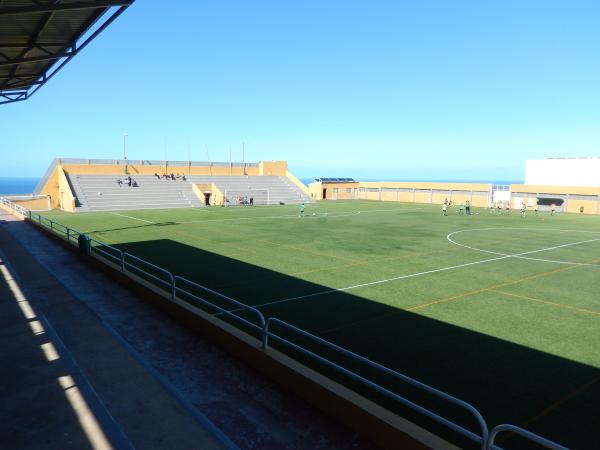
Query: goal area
[[247, 197]]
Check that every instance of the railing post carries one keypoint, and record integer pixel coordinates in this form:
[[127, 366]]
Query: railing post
[[51, 226], [172, 286], [122, 261], [68, 234], [265, 335]]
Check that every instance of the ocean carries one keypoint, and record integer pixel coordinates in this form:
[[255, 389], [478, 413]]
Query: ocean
[[17, 185]]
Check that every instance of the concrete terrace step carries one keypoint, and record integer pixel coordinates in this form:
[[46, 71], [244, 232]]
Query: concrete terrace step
[[101, 192]]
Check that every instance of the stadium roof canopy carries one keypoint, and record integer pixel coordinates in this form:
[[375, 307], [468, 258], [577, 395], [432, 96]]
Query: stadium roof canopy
[[38, 37]]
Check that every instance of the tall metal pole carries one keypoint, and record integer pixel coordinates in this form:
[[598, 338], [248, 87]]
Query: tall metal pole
[[125, 151], [243, 156], [189, 160], [208, 159], [166, 169]]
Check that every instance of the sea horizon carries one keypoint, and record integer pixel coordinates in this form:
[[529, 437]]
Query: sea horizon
[[18, 185]]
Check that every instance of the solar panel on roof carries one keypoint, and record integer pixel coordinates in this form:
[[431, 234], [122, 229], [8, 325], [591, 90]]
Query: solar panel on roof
[[335, 180]]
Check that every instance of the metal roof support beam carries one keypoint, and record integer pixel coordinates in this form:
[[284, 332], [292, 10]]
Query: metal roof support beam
[[21, 75], [11, 97], [110, 20], [62, 7], [17, 86], [38, 44], [32, 40], [13, 62]]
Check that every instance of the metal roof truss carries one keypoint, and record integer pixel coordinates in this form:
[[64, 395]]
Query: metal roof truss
[[38, 38]]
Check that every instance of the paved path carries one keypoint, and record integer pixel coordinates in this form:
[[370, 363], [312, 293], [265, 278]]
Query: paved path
[[68, 380], [250, 409]]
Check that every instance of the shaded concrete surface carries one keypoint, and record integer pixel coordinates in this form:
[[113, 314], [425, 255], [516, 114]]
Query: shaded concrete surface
[[252, 411], [35, 411], [128, 406]]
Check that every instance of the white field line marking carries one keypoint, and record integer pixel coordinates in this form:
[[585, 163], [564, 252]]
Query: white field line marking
[[296, 216], [449, 238], [134, 218], [412, 275]]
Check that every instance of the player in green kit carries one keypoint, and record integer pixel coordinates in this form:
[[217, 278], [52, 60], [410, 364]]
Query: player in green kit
[[302, 210]]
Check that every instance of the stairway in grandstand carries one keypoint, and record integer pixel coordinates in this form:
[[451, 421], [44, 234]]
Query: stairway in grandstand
[[102, 192]]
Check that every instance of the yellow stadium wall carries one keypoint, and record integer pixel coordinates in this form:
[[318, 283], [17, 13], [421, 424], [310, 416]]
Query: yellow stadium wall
[[136, 169], [405, 196], [439, 198], [66, 199], [422, 197], [387, 196], [298, 183], [339, 190], [34, 204], [273, 168], [51, 188], [343, 195], [316, 190], [589, 206], [426, 192], [372, 196], [216, 197], [427, 185]]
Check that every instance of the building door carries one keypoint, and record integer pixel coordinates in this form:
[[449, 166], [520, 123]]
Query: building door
[[324, 193]]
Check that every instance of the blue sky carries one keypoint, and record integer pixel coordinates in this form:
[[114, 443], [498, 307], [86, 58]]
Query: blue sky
[[377, 89]]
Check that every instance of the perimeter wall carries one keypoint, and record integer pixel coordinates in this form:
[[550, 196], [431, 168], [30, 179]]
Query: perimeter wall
[[572, 199], [400, 191]]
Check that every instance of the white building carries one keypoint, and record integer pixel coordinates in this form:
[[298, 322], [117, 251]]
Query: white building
[[563, 172]]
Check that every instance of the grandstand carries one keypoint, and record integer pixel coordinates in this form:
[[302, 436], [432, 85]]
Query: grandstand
[[79, 185], [103, 193]]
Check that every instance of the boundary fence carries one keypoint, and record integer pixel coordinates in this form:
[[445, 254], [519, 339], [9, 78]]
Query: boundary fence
[[173, 287]]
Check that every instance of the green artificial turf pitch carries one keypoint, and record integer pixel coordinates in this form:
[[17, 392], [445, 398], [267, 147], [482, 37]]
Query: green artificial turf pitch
[[498, 310]]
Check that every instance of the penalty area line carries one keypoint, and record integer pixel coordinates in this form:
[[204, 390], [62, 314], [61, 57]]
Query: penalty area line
[[413, 275], [134, 218]]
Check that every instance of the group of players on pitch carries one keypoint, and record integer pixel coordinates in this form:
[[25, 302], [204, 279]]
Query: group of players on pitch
[[500, 207]]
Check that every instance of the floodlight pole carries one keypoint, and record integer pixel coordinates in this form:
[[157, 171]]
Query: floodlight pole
[[189, 160], [244, 157], [125, 150]]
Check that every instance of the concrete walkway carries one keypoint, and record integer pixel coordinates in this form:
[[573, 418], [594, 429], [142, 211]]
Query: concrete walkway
[[69, 382], [253, 411]]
